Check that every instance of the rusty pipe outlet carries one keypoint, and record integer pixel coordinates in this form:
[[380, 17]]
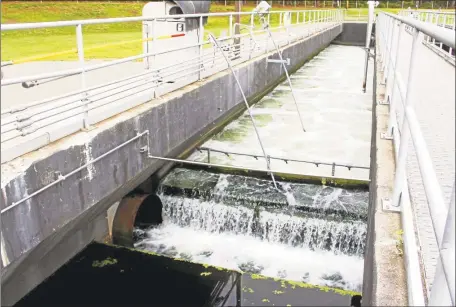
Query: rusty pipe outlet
[[143, 210]]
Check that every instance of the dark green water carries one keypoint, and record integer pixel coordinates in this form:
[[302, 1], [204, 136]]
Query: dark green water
[[111, 276]]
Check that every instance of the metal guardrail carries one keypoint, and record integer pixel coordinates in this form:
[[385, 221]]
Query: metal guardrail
[[438, 18], [390, 28], [29, 126], [285, 160]]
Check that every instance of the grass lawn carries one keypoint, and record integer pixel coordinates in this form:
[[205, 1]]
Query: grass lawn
[[26, 44]]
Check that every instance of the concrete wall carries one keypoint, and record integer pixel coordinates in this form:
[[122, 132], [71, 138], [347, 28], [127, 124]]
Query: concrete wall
[[33, 232], [353, 33]]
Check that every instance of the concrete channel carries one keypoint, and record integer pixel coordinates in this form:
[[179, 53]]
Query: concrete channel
[[175, 129], [57, 233]]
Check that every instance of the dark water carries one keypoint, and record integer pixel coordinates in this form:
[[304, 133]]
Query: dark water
[[109, 275]]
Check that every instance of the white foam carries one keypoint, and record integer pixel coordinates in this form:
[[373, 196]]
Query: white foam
[[230, 250]]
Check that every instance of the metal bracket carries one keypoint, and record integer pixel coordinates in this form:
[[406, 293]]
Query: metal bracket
[[287, 61], [383, 102], [385, 136], [87, 129], [144, 149], [386, 205]]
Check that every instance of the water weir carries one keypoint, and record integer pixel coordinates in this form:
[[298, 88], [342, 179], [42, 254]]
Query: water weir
[[309, 233]]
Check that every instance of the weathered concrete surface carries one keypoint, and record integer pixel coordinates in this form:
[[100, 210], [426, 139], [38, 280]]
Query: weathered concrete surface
[[353, 33], [176, 122], [384, 281]]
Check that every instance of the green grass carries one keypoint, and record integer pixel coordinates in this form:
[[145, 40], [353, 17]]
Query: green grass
[[21, 45]]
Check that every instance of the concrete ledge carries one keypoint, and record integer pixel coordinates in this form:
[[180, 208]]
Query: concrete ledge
[[384, 273], [33, 231]]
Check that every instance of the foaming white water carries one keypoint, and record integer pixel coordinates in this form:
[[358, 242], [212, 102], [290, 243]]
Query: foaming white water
[[335, 113], [237, 251], [336, 236]]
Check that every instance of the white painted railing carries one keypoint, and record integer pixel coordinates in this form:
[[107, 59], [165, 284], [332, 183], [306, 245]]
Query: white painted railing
[[391, 34], [442, 19], [32, 125]]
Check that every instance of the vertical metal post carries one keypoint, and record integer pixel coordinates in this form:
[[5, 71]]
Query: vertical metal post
[[388, 52], [385, 48], [387, 74], [237, 31], [208, 155], [400, 177], [454, 28], [442, 291], [80, 47], [152, 60], [444, 26], [200, 41], [231, 26], [368, 36], [436, 23], [392, 104]]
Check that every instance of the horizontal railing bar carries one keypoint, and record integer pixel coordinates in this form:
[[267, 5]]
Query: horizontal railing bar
[[119, 88], [229, 166], [439, 33], [150, 72], [54, 24], [104, 65], [281, 158], [63, 177], [103, 104], [437, 206]]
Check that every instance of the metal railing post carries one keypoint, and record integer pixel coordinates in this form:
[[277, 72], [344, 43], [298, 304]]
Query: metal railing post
[[230, 29], [80, 47], [392, 56], [200, 42], [153, 44], [400, 177], [454, 28], [388, 48], [392, 104], [385, 42], [442, 290], [436, 23], [444, 26]]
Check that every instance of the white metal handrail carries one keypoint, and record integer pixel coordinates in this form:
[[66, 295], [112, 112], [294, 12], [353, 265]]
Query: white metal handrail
[[390, 28], [37, 119], [441, 19]]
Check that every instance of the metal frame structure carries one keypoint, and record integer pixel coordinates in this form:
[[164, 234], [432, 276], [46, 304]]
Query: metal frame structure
[[390, 28], [286, 160], [27, 127], [214, 39]]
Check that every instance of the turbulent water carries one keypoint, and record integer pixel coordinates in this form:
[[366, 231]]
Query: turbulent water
[[276, 244], [242, 223], [335, 112]]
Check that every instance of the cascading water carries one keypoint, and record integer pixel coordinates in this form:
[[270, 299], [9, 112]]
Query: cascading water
[[232, 226]]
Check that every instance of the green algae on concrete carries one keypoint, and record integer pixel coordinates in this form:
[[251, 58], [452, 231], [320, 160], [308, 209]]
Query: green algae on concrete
[[102, 263]]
